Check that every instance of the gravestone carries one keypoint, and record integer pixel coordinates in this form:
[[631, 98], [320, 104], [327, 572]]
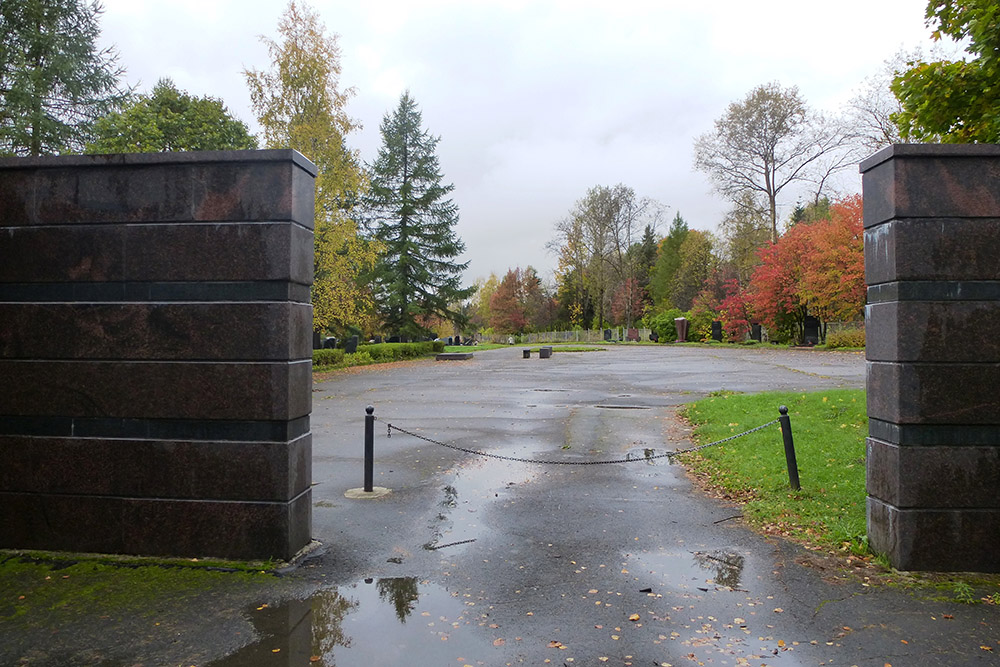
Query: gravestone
[[755, 333], [351, 345], [810, 330], [681, 324], [717, 330], [932, 228], [155, 350]]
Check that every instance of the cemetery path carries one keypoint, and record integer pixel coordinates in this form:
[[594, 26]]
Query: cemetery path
[[485, 561]]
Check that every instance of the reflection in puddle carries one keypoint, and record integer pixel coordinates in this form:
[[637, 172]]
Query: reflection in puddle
[[458, 520], [687, 572], [401, 592], [728, 566], [364, 623]]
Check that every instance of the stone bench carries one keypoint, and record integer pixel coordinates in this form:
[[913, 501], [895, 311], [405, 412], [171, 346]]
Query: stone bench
[[453, 356]]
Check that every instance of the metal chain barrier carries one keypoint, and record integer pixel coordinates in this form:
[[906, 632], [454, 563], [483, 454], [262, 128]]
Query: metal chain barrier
[[390, 428]]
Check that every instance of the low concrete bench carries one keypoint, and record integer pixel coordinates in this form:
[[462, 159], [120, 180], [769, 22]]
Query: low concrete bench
[[453, 356]]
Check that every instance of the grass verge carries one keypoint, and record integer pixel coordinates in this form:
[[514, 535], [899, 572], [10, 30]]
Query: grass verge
[[828, 514], [829, 430]]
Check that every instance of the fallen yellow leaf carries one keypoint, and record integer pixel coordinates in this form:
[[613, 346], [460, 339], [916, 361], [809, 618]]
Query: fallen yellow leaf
[[634, 617], [499, 642]]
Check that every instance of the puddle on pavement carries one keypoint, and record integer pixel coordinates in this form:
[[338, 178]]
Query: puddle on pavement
[[699, 571], [464, 499], [389, 621]]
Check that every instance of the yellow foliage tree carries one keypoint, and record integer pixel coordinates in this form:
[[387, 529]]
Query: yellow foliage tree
[[299, 105]]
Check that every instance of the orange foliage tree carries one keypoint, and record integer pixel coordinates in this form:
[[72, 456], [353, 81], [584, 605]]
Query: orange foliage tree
[[814, 269]]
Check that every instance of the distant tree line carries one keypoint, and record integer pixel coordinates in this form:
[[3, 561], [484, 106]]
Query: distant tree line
[[386, 257]]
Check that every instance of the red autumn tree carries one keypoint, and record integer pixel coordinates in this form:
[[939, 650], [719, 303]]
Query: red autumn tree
[[520, 303], [628, 302], [507, 305], [775, 292], [735, 311], [833, 280], [815, 268]]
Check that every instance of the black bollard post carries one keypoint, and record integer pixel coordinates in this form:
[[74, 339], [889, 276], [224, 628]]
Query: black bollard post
[[786, 434], [369, 447]]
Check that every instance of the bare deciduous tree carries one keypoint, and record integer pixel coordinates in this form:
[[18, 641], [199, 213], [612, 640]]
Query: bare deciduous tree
[[768, 141]]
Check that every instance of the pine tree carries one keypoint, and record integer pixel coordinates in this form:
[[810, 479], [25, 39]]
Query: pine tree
[[54, 82], [409, 212]]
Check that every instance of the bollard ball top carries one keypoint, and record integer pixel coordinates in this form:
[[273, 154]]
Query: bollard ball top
[[370, 410], [783, 409]]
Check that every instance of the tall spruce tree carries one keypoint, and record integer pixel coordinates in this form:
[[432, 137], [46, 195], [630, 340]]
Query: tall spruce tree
[[54, 81], [409, 212]]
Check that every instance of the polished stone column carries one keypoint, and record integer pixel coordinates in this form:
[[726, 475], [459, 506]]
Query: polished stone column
[[932, 263], [155, 357]]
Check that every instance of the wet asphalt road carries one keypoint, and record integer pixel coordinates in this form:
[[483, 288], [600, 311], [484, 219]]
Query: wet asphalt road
[[482, 561]]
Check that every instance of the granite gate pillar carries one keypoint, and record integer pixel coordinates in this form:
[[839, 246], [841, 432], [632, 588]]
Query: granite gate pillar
[[155, 356], [932, 263]]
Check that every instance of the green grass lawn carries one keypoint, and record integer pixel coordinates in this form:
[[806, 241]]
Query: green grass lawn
[[829, 430]]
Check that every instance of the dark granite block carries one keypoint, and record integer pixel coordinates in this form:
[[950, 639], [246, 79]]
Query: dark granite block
[[143, 331], [934, 393], [957, 331], [949, 249], [213, 252], [241, 530], [932, 181], [107, 524], [942, 477], [952, 435], [959, 540], [164, 469], [56, 522], [60, 254], [164, 390], [157, 187]]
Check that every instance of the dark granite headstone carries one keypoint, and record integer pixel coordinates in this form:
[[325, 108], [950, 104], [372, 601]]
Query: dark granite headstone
[[393, 339], [810, 329], [932, 228], [717, 330], [351, 345], [755, 333], [155, 345], [607, 335], [681, 324]]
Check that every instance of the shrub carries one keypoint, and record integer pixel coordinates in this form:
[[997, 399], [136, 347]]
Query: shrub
[[663, 324], [359, 358], [846, 338], [382, 352], [328, 357]]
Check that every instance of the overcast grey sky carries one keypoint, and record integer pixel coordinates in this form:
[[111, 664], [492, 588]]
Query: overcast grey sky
[[536, 102]]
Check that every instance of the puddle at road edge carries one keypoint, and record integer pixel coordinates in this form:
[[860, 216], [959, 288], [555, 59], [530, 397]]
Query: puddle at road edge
[[388, 621]]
